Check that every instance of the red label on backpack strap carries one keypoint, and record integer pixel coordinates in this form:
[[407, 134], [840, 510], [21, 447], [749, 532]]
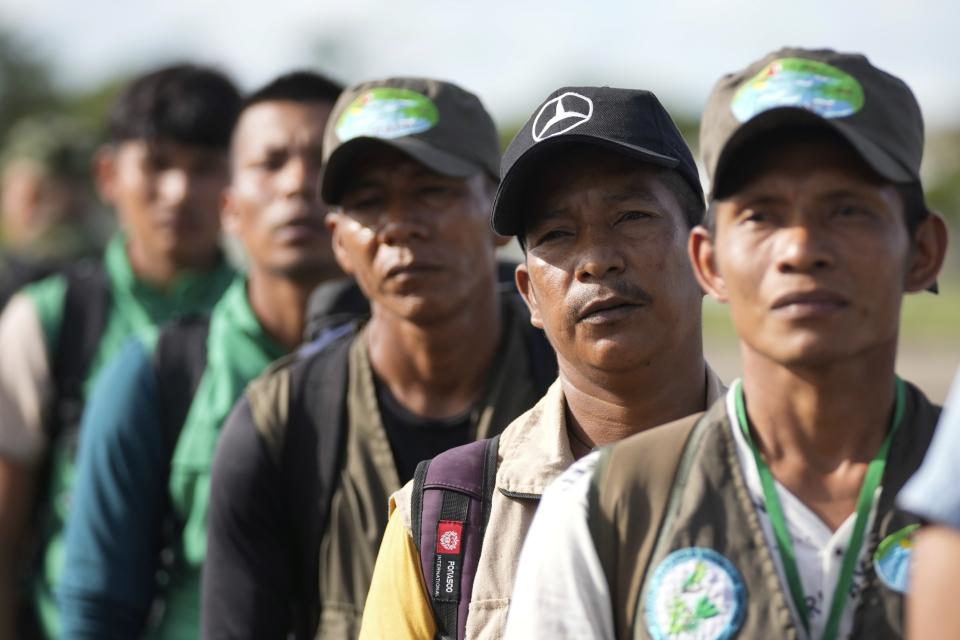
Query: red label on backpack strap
[[449, 536]]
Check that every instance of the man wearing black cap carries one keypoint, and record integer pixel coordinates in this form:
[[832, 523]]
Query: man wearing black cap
[[310, 455], [602, 191], [773, 515]]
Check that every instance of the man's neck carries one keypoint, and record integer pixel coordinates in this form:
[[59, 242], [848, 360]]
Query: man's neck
[[437, 370], [819, 427], [161, 271], [280, 305], [604, 407]]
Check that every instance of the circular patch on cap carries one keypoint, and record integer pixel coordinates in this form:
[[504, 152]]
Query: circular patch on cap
[[891, 560], [387, 113], [804, 84], [696, 594]]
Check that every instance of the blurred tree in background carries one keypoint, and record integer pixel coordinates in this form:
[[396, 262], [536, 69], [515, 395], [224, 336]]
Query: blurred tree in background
[[25, 84], [27, 87]]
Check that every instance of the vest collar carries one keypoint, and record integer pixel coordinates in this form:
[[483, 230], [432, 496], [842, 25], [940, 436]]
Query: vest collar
[[535, 448]]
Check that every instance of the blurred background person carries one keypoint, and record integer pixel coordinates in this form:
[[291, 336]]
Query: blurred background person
[[163, 171], [48, 216], [136, 470]]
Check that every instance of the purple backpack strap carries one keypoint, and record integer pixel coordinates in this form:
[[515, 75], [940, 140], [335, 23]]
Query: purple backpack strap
[[449, 512]]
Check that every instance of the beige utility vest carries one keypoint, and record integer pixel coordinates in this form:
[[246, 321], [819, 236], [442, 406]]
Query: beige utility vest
[[681, 487], [534, 451]]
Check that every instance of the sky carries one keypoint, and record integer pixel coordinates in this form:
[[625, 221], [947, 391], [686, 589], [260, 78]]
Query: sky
[[512, 53]]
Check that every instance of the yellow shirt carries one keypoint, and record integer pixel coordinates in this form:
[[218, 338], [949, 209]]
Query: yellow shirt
[[397, 606]]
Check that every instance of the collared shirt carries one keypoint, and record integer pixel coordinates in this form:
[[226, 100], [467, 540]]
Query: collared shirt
[[534, 451]]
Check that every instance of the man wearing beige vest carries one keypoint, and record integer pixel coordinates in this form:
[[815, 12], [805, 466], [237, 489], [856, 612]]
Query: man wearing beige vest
[[601, 190], [772, 516]]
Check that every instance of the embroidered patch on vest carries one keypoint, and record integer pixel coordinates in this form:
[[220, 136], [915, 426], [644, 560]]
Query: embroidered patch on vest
[[696, 594], [891, 561]]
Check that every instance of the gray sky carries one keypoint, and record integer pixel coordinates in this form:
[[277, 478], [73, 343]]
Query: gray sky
[[512, 53]]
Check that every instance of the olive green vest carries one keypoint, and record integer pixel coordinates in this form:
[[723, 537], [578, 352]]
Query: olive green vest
[[681, 487]]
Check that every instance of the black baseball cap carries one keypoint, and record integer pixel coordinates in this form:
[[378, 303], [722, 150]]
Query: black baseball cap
[[627, 121], [874, 111], [436, 123]]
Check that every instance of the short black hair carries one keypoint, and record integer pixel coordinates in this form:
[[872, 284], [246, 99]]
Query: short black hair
[[748, 159], [186, 103], [296, 86]]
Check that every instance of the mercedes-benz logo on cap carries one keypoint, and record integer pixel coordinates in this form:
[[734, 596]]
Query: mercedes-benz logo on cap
[[560, 115]]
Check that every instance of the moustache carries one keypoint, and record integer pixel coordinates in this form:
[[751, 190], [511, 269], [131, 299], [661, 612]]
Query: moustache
[[629, 292]]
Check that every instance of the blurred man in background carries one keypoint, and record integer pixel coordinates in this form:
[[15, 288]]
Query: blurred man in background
[[47, 215], [163, 171], [130, 471]]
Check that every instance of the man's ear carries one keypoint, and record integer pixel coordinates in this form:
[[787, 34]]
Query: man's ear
[[522, 277], [336, 223], [104, 169], [703, 257], [927, 253]]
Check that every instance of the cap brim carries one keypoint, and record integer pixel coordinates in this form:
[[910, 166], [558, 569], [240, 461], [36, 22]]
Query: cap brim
[[347, 155], [878, 159], [507, 219]]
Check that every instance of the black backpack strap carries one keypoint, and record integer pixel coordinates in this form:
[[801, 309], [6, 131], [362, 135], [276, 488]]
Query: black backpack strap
[[313, 438], [332, 304], [450, 506], [86, 309], [179, 360]]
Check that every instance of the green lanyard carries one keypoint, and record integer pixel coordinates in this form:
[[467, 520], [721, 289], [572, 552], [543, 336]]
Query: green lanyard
[[782, 535]]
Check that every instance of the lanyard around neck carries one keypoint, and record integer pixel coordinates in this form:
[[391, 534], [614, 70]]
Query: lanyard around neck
[[782, 535]]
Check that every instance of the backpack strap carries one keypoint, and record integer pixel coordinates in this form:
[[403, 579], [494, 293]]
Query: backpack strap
[[333, 304], [86, 309], [451, 500], [179, 361], [311, 436]]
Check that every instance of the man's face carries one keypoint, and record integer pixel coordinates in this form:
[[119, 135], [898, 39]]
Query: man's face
[[606, 273], [419, 243], [167, 196], [33, 200], [812, 254], [272, 203]]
